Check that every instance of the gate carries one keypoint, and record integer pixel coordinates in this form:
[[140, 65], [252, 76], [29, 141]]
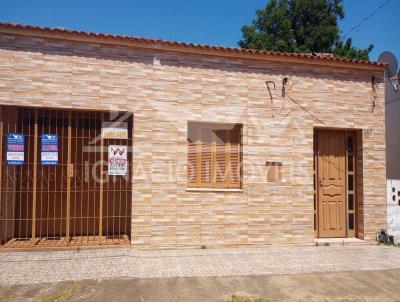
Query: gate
[[64, 197]]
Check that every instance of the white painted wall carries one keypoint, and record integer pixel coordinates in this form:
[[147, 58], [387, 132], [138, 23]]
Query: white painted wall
[[393, 208]]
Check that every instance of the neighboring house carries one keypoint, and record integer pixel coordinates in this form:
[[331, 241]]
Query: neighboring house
[[112, 139], [392, 104]]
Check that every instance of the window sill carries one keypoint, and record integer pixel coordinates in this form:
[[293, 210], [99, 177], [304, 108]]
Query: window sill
[[214, 190]]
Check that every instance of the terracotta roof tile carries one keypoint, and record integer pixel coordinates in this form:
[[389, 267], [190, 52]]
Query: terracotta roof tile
[[313, 56]]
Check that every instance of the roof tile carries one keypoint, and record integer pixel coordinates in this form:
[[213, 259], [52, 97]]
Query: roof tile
[[318, 56]]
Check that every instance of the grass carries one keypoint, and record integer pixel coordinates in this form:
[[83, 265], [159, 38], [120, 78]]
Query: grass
[[64, 294], [235, 298], [389, 243]]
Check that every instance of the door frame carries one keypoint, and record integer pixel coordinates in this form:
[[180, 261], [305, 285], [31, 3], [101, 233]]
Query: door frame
[[349, 133]]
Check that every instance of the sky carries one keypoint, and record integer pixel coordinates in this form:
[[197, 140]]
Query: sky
[[215, 22]]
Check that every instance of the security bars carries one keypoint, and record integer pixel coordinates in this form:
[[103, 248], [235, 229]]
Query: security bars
[[64, 197]]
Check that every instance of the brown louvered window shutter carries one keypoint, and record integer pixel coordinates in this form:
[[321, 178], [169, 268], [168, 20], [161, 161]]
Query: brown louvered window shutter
[[193, 156], [214, 156], [220, 143], [234, 169], [206, 162]]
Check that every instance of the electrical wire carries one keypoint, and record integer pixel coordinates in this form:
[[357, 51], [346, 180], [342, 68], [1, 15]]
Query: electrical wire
[[305, 109], [376, 104], [366, 18]]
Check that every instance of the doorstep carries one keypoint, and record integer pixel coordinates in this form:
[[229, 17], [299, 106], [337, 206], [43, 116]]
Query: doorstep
[[339, 241]]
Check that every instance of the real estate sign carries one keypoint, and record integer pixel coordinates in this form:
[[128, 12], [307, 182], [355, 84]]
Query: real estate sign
[[15, 148], [117, 160], [49, 150]]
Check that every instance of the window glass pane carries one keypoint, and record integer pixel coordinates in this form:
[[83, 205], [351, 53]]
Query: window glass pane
[[220, 136], [315, 202], [351, 202], [314, 182], [351, 185], [350, 144], [205, 136], [315, 222], [350, 163], [236, 134], [314, 159], [351, 221], [192, 133]]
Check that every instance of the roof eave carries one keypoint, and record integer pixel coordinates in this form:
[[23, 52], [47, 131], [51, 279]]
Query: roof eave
[[184, 47]]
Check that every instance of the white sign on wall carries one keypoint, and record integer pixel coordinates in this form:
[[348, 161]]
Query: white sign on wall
[[117, 160], [114, 130]]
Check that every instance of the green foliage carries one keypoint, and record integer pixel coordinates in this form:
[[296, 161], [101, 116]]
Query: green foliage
[[272, 30], [64, 294], [300, 26], [235, 298], [345, 50]]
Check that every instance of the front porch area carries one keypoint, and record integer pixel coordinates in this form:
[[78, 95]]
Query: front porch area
[[339, 241]]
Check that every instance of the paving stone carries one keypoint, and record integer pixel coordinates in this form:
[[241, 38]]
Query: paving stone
[[28, 267]]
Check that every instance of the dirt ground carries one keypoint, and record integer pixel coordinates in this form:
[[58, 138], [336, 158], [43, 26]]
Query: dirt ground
[[344, 286]]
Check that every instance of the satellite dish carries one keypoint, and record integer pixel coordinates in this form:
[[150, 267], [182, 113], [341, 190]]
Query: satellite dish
[[391, 60]]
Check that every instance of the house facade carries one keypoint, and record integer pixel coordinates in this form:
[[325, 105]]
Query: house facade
[[162, 144]]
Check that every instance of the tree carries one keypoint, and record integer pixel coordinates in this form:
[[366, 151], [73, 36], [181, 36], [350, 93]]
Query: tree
[[300, 26], [345, 50]]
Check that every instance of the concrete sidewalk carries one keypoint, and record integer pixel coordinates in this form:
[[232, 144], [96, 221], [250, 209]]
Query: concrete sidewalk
[[355, 286], [24, 267]]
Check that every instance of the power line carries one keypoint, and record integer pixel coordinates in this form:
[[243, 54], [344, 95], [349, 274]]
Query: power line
[[367, 17]]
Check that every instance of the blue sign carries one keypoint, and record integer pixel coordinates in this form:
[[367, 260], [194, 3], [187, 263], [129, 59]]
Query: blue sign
[[15, 148], [49, 150]]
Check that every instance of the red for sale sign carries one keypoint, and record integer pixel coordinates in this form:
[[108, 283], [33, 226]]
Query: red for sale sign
[[117, 160]]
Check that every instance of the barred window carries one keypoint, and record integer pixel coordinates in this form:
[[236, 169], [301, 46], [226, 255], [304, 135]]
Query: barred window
[[214, 155]]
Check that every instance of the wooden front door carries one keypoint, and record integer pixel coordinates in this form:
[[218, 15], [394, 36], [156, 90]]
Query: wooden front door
[[331, 183]]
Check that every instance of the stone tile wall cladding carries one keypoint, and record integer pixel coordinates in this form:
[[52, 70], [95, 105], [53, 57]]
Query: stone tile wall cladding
[[165, 90]]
